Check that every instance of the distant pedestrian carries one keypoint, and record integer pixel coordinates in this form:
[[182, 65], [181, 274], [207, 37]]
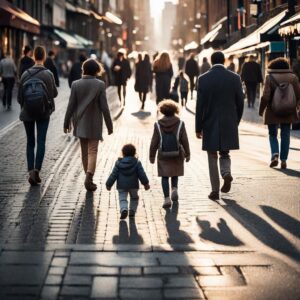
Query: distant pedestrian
[[26, 62], [231, 65], [128, 171], [181, 62], [143, 78], [170, 140], [192, 71], [76, 69], [182, 82], [8, 72], [50, 65], [122, 72], [205, 66], [163, 70], [36, 95], [280, 111], [87, 107], [251, 76], [219, 109]]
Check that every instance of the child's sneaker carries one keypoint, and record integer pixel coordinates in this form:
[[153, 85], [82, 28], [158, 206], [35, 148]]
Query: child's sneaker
[[167, 203], [124, 214], [131, 213], [174, 194]]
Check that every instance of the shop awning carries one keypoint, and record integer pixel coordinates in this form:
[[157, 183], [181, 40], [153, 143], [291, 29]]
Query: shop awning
[[255, 37], [290, 26], [84, 41], [71, 41], [191, 46], [211, 35], [12, 16], [77, 9], [113, 18]]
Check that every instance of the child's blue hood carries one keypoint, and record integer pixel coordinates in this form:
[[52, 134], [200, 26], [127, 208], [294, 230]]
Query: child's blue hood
[[127, 165]]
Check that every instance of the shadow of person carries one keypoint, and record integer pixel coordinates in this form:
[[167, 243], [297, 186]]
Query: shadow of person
[[126, 236], [223, 235], [289, 172], [176, 236], [261, 229], [142, 114], [282, 219]]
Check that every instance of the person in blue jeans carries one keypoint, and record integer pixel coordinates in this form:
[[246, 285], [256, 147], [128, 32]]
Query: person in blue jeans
[[279, 72], [128, 171], [32, 117]]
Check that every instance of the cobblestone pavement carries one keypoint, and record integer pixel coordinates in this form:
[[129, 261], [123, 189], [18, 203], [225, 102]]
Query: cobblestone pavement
[[59, 242]]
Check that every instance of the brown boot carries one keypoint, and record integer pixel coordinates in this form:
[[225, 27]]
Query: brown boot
[[88, 183], [37, 176], [227, 183], [32, 178]]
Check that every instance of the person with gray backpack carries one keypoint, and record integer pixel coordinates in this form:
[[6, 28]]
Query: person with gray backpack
[[279, 107], [170, 142], [36, 95]]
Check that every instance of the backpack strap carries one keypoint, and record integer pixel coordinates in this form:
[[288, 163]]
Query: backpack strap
[[33, 73], [178, 131], [274, 80], [160, 135]]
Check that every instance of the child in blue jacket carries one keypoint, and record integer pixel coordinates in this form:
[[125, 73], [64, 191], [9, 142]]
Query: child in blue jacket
[[128, 171]]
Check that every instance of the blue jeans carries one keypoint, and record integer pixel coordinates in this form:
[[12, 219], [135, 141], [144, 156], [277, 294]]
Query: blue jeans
[[166, 186], [285, 140], [36, 161], [134, 199]]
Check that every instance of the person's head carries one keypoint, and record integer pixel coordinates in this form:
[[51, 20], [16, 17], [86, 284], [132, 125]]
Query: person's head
[[169, 108], [27, 51], [251, 58], [140, 57], [192, 55], [147, 57], [51, 54], [120, 55], [217, 58], [39, 54], [129, 150], [279, 63], [205, 59], [82, 58], [91, 67], [231, 58], [162, 62]]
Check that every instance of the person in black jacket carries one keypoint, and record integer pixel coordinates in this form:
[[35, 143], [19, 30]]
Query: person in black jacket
[[192, 71], [50, 65], [26, 62], [76, 70]]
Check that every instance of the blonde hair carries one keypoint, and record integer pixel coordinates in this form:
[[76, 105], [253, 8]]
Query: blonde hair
[[162, 62]]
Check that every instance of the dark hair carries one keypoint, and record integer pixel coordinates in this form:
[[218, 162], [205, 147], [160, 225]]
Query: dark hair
[[217, 58], [39, 53], [204, 59], [91, 67], [279, 63], [26, 49], [129, 150], [252, 56], [82, 58], [120, 54], [50, 53], [168, 108]]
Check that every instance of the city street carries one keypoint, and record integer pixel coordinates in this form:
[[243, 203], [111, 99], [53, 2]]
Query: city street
[[58, 241]]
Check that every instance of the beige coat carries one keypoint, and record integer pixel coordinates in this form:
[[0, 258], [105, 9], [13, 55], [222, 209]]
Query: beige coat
[[87, 107], [172, 166], [265, 107]]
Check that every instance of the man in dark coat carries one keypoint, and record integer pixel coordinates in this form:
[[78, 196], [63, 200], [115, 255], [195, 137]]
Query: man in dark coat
[[76, 70], [50, 65], [252, 76], [219, 109], [192, 71], [26, 62]]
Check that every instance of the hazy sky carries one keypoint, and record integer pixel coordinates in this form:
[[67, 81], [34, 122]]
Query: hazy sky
[[156, 6]]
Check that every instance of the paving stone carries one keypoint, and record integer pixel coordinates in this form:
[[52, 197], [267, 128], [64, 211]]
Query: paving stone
[[206, 270], [92, 270], [77, 280], [131, 271], [140, 294], [75, 291], [141, 282], [160, 270], [59, 262], [181, 259], [53, 280], [20, 290], [57, 270], [50, 292], [180, 281], [25, 258], [104, 287], [183, 293]]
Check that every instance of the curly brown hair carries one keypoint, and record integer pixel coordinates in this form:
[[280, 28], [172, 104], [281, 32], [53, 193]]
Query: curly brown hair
[[280, 63], [168, 108]]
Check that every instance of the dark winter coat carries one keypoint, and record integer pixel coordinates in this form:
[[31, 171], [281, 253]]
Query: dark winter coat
[[50, 65], [251, 72], [191, 68], [143, 77], [47, 77], [265, 109], [219, 109], [205, 67], [87, 107], [26, 63], [163, 83], [121, 76], [169, 167], [127, 171], [75, 72]]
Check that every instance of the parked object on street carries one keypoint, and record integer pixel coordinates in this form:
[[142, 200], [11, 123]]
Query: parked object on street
[[76, 69], [36, 95], [280, 74], [192, 71], [169, 136], [50, 65], [26, 62], [8, 72], [128, 171], [163, 70], [219, 109], [86, 109], [251, 75]]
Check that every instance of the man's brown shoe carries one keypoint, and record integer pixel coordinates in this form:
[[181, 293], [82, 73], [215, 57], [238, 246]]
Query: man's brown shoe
[[88, 183], [214, 196], [32, 178], [274, 161], [227, 183], [37, 176], [283, 164]]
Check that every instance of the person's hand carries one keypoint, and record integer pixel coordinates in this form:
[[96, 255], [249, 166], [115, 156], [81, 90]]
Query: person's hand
[[187, 159], [108, 188], [199, 135], [147, 187]]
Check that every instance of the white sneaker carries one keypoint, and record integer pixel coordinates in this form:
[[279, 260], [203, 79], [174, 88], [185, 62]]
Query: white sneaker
[[174, 194], [167, 203]]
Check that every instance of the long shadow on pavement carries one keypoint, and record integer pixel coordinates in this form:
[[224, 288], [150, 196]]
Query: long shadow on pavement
[[289, 172], [261, 229], [223, 235], [282, 219], [128, 235]]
